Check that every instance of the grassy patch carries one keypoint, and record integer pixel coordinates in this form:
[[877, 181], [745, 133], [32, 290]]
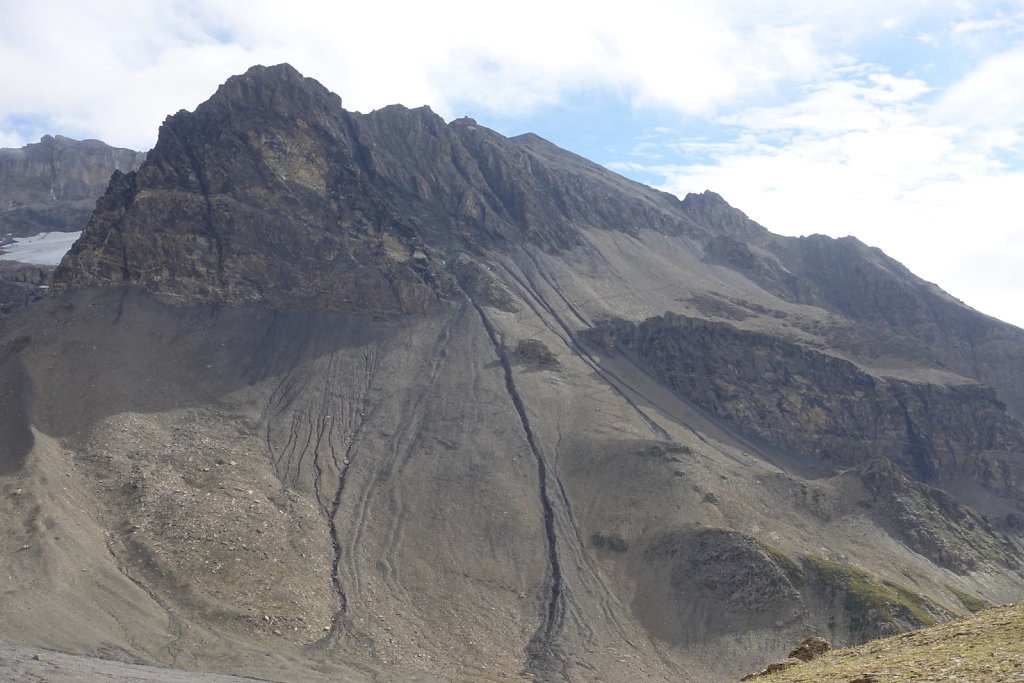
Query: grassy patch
[[971, 602], [793, 570], [983, 647], [872, 602]]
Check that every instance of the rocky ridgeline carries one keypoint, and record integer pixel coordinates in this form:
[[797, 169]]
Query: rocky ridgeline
[[271, 192]]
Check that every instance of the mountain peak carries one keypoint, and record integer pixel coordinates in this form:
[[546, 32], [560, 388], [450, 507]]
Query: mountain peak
[[273, 75], [272, 161], [712, 209], [280, 89], [284, 70], [636, 426]]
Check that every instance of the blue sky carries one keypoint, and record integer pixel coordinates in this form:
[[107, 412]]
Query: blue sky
[[897, 121]]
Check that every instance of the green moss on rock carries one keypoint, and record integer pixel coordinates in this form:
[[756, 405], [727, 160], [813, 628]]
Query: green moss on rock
[[875, 606], [971, 602]]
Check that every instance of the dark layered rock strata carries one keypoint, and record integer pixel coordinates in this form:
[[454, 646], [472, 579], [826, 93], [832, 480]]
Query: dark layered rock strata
[[824, 406]]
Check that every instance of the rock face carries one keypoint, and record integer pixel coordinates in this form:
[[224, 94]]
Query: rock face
[[328, 395], [20, 283], [52, 185], [815, 403], [365, 210]]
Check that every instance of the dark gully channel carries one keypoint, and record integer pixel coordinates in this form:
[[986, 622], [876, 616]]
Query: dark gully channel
[[542, 651], [338, 621]]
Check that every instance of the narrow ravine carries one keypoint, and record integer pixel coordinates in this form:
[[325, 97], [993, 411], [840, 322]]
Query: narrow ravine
[[331, 513], [543, 653], [337, 621]]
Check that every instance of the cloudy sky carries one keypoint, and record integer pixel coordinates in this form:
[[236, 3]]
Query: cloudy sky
[[898, 121]]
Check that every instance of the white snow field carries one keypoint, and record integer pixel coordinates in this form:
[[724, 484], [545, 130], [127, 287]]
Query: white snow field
[[44, 249]]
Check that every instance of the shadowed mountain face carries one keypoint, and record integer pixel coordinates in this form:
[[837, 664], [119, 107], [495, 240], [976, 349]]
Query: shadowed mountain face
[[374, 396]]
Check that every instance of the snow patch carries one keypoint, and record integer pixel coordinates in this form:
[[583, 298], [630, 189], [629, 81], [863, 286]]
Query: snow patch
[[44, 249]]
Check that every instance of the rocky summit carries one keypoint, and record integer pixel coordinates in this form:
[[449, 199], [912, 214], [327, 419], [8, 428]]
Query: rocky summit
[[324, 395]]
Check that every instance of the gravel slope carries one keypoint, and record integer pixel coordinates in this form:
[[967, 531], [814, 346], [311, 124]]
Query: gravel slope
[[20, 663]]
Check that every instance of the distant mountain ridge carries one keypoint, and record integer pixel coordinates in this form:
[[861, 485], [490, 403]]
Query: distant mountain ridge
[[52, 185], [386, 396]]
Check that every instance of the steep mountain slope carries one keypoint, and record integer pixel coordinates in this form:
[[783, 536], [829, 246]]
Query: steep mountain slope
[[325, 393]]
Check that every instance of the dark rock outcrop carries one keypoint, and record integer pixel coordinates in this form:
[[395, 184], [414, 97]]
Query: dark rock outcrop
[[271, 192], [21, 283], [806, 651], [823, 406], [931, 522], [534, 353], [707, 582], [811, 648]]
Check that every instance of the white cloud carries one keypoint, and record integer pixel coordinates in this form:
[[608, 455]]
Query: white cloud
[[112, 70], [117, 67], [869, 157], [10, 140], [815, 140], [975, 26], [990, 98]]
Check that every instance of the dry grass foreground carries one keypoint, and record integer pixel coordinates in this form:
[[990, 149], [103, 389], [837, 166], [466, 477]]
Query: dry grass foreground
[[987, 646]]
